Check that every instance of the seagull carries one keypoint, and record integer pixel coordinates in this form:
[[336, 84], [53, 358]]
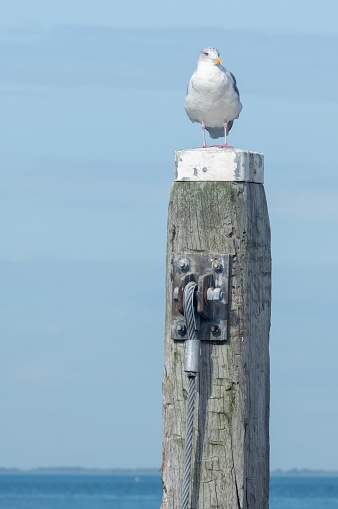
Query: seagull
[[212, 97]]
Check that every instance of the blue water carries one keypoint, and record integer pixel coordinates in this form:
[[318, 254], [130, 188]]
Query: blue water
[[304, 493], [124, 492], [79, 492]]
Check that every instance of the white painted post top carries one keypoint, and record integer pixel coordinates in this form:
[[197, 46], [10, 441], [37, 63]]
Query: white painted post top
[[219, 164]]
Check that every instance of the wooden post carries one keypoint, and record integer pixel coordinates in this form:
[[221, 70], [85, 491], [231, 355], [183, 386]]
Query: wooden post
[[218, 205]]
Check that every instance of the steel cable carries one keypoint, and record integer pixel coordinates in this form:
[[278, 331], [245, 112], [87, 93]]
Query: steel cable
[[188, 441], [189, 314]]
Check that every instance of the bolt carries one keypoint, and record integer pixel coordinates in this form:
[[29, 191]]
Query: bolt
[[217, 266], [214, 328], [175, 294], [181, 329], [183, 263], [214, 294]]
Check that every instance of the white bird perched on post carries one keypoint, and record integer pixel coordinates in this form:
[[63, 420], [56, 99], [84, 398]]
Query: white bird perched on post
[[212, 97]]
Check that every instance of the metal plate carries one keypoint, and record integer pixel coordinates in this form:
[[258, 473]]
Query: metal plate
[[196, 267]]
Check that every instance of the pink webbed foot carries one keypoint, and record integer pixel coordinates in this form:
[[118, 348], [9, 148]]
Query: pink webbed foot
[[224, 145], [204, 146]]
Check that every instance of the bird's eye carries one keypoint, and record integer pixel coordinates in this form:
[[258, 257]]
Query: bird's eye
[[206, 53]]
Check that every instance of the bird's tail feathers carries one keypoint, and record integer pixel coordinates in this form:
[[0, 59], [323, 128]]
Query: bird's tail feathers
[[218, 132], [215, 132]]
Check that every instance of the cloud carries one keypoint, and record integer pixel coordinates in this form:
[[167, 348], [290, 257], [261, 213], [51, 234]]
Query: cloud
[[308, 203], [290, 65], [62, 181]]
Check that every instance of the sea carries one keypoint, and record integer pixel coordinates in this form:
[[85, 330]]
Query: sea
[[143, 492]]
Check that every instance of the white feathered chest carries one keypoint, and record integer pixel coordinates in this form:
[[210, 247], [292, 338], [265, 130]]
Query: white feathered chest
[[211, 97]]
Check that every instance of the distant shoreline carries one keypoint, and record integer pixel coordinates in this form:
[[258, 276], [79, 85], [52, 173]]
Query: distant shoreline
[[303, 473], [138, 472]]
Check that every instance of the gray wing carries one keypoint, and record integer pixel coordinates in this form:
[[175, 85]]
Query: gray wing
[[235, 84], [223, 69]]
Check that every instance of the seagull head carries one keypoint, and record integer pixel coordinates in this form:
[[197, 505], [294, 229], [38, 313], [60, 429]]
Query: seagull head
[[210, 56]]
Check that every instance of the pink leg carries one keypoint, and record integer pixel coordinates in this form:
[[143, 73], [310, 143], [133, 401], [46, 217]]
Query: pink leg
[[225, 145], [203, 132]]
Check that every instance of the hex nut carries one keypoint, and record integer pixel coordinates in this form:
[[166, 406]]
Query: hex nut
[[183, 263], [217, 266], [181, 329]]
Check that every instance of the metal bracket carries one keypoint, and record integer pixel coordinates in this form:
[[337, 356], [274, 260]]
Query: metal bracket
[[211, 274]]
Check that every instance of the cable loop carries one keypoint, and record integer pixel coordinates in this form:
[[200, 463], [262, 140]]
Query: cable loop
[[188, 309]]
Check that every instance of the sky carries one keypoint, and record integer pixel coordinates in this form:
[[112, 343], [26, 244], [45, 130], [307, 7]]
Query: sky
[[91, 112]]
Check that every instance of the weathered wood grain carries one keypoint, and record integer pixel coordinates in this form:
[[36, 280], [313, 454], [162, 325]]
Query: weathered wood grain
[[230, 467]]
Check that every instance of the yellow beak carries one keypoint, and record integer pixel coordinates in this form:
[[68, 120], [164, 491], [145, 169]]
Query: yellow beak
[[217, 60]]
